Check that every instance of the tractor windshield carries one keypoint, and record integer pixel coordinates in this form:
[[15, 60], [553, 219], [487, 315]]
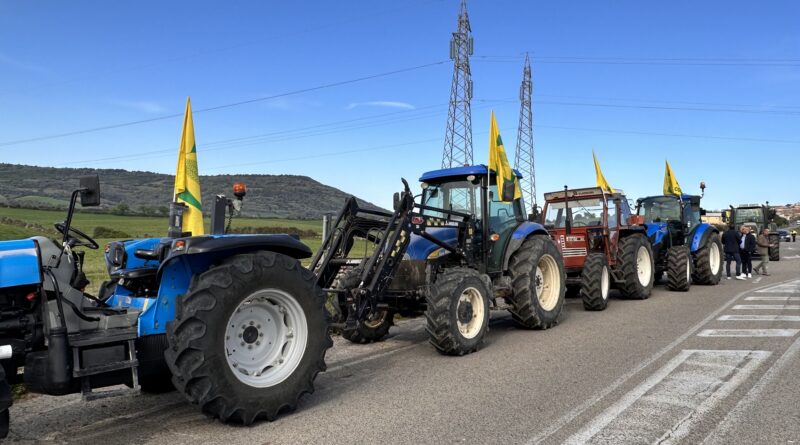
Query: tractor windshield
[[748, 216], [459, 196], [585, 212], [661, 208]]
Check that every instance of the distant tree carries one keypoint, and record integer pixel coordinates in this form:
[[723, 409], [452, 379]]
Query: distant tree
[[163, 211], [780, 221], [121, 209]]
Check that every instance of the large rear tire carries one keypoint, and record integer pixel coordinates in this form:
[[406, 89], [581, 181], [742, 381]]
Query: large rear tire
[[539, 283], [458, 311], [377, 324], [595, 282], [708, 262], [636, 262], [5, 403], [249, 337], [679, 268]]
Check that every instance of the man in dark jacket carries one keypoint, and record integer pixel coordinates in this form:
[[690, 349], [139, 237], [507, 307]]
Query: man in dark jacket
[[730, 243], [747, 245]]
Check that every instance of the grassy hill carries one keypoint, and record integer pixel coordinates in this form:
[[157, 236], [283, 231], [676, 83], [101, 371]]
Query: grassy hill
[[274, 196]]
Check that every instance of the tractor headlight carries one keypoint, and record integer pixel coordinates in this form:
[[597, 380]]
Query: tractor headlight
[[437, 253]]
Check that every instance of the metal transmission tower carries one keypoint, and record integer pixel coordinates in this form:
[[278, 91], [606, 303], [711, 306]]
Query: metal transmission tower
[[458, 137], [524, 156]]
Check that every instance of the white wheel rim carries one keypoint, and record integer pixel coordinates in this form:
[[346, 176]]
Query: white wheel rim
[[473, 297], [265, 338], [689, 271], [714, 258], [605, 283], [644, 267], [547, 282]]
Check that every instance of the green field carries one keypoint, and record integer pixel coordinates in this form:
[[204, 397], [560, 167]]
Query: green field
[[135, 226]]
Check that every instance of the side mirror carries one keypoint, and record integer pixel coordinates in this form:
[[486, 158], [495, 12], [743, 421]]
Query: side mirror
[[396, 201], [90, 191]]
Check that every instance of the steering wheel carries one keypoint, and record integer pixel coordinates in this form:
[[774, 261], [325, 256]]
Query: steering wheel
[[578, 224], [80, 240]]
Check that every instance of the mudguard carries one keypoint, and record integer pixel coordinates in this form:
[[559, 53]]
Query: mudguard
[[521, 233], [19, 263], [700, 236]]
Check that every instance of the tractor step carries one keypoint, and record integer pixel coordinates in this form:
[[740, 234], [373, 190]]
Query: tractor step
[[92, 359], [108, 393]]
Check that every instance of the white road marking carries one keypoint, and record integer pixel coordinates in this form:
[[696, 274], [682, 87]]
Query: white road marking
[[748, 332], [743, 409], [772, 298], [774, 307], [757, 280], [664, 407], [592, 400], [792, 287], [759, 318]]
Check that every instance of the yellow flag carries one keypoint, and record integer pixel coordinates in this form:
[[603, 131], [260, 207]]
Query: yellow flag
[[507, 181], [671, 186], [187, 178], [601, 180]]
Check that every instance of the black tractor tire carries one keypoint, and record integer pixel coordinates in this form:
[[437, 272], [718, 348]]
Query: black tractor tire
[[5, 403], [376, 326], [539, 283], [154, 374], [198, 336], [703, 272], [775, 252], [637, 284], [595, 282], [447, 313], [679, 268]]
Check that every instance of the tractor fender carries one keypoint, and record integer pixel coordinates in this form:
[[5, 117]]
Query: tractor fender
[[20, 264], [521, 233], [700, 236], [197, 255]]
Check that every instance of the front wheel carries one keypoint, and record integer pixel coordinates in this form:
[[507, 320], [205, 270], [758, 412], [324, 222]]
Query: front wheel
[[595, 282], [458, 311], [708, 262], [775, 252], [376, 325], [249, 337], [5, 403], [636, 261], [538, 280], [679, 268]]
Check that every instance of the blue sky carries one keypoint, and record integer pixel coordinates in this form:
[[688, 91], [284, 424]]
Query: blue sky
[[713, 86]]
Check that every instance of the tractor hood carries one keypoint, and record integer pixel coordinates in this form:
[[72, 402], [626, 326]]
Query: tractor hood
[[419, 248], [19, 263], [656, 231]]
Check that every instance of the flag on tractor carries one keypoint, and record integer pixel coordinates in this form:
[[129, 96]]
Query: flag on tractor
[[601, 180], [671, 186], [507, 181], [187, 178]]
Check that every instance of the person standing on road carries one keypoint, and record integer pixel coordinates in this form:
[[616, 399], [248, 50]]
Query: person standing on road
[[747, 245], [794, 234], [730, 242], [763, 250]]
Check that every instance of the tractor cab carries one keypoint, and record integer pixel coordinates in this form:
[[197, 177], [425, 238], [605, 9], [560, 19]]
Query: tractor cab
[[676, 216], [467, 191], [756, 217]]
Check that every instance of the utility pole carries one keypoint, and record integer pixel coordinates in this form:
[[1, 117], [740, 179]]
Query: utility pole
[[524, 156], [458, 135]]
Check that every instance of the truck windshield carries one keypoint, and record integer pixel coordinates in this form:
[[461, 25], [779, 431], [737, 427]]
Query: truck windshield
[[662, 208], [585, 212]]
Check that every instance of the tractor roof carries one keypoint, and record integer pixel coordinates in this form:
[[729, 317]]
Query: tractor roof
[[749, 206], [581, 193], [683, 197], [455, 172]]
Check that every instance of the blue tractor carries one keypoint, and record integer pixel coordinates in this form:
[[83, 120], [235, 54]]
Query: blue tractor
[[684, 247], [234, 322], [453, 257]]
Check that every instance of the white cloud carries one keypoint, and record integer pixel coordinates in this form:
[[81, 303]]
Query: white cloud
[[382, 103], [146, 106]]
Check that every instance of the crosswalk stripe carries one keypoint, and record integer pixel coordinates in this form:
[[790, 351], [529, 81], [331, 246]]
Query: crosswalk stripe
[[759, 318], [776, 298], [748, 332], [778, 307]]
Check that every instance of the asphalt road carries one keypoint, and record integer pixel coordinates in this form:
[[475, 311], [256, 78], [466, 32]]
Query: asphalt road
[[719, 364]]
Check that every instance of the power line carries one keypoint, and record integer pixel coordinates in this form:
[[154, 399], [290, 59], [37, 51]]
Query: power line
[[223, 106], [645, 133], [656, 107], [643, 61]]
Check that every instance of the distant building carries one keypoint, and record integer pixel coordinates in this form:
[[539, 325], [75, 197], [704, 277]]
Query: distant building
[[790, 211]]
